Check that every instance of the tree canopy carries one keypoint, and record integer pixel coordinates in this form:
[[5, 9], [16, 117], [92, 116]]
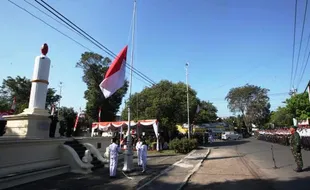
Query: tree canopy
[[207, 113], [94, 67], [298, 105], [167, 102], [67, 120], [19, 88], [251, 101], [281, 117]]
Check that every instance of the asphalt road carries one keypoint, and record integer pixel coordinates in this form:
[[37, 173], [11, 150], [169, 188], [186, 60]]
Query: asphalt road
[[258, 154]]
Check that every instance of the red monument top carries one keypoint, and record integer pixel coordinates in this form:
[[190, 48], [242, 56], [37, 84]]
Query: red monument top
[[44, 49]]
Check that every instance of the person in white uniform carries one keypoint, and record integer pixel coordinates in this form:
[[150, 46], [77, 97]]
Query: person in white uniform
[[138, 148], [143, 155], [114, 150]]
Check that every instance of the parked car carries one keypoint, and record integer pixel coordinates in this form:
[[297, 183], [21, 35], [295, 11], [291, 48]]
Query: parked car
[[231, 135]]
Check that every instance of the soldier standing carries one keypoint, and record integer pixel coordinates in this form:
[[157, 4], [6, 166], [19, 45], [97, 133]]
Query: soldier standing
[[296, 148]]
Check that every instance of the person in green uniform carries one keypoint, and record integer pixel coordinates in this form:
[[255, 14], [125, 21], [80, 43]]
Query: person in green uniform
[[295, 143]]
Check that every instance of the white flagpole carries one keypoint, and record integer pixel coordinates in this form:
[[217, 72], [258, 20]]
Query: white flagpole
[[128, 159]]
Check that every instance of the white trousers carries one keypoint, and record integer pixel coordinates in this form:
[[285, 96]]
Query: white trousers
[[113, 166], [139, 157], [143, 162]]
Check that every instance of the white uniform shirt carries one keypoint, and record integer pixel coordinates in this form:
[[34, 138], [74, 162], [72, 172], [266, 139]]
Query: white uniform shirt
[[114, 150], [138, 145]]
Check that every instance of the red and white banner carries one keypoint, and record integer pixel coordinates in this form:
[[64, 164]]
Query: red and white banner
[[105, 126]]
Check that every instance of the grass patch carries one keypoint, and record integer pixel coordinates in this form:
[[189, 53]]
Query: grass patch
[[162, 152]]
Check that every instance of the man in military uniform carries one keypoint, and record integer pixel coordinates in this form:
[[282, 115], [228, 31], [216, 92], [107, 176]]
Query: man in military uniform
[[296, 148]]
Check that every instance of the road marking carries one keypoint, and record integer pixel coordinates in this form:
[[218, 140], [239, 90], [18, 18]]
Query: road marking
[[184, 165], [165, 170]]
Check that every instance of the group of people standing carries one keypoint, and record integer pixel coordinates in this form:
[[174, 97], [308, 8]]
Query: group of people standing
[[115, 150]]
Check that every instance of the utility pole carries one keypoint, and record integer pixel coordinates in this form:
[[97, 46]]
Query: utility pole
[[60, 88], [308, 87], [293, 92], [128, 155], [189, 127]]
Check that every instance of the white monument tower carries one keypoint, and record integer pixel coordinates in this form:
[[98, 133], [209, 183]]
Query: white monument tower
[[34, 121]]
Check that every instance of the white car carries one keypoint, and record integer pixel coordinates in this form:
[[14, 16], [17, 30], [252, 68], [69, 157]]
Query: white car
[[231, 136]]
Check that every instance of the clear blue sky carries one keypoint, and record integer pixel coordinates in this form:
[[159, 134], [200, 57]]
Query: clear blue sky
[[227, 42]]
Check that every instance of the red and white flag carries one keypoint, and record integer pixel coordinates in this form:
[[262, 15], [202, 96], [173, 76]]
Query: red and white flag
[[53, 109], [99, 115], [77, 120], [115, 76], [13, 107]]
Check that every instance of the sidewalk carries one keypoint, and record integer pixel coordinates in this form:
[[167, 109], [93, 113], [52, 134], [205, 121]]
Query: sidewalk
[[176, 176]]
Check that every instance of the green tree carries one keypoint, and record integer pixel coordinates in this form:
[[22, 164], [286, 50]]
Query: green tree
[[4, 104], [207, 113], [298, 106], [251, 101], [19, 88], [281, 117], [67, 118], [94, 67], [165, 101]]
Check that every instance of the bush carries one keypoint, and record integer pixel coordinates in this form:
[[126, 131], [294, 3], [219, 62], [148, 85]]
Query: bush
[[183, 145]]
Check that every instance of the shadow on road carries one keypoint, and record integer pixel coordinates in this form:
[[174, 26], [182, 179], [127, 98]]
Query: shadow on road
[[254, 184], [227, 143]]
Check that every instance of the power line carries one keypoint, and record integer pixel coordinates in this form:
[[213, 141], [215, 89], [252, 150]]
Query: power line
[[301, 37], [60, 31], [294, 41], [90, 38], [49, 25], [303, 72]]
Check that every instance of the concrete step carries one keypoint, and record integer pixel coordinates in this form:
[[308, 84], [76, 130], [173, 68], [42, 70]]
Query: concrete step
[[19, 178]]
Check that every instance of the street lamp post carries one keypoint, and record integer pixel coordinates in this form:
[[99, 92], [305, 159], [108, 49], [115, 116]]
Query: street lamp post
[[189, 128]]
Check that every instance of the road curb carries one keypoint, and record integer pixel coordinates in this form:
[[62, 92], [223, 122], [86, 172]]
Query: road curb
[[194, 170], [166, 170]]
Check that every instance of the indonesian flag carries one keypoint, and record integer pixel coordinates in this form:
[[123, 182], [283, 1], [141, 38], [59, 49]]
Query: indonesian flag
[[77, 120], [115, 76], [53, 109], [99, 114], [198, 109], [13, 107]]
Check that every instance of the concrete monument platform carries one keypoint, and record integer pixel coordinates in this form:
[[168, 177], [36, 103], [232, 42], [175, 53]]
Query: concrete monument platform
[[34, 121]]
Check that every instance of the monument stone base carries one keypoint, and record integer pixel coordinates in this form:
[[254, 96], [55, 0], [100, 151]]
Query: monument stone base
[[32, 123]]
